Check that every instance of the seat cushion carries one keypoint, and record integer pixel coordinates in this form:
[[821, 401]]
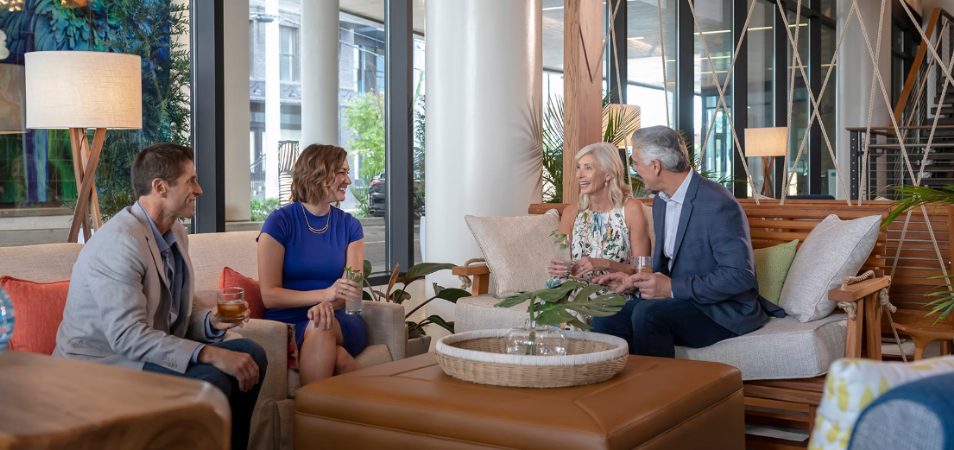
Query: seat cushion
[[479, 313], [783, 348], [38, 309]]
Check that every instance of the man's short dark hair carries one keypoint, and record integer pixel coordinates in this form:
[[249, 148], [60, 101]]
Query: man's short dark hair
[[163, 161]]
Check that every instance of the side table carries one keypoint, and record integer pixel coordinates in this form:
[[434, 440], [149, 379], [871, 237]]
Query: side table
[[50, 402]]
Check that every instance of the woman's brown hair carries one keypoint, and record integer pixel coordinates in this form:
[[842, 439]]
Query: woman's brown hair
[[314, 172]]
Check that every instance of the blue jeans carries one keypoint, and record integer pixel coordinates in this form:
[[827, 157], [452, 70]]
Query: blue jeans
[[656, 327], [242, 403]]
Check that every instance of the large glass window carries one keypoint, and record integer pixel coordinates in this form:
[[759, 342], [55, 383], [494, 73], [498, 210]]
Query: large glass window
[[712, 57], [37, 183], [761, 73], [649, 86]]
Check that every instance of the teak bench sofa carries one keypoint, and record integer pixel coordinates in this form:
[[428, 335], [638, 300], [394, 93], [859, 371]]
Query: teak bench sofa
[[776, 392]]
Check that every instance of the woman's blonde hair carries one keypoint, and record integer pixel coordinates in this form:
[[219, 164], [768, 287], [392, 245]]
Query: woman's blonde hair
[[314, 172], [608, 160]]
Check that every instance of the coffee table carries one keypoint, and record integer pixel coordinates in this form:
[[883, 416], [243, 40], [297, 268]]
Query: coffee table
[[654, 403]]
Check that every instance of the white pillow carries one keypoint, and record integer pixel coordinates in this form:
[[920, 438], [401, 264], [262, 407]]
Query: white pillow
[[833, 250], [852, 384], [517, 249]]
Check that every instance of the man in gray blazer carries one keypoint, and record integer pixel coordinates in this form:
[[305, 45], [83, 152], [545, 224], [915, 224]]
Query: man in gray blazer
[[130, 298], [703, 288]]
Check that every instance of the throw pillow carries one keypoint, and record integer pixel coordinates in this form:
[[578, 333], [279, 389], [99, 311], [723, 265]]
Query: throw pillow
[[771, 268], [253, 293], [833, 250], [517, 249], [39, 311], [854, 383]]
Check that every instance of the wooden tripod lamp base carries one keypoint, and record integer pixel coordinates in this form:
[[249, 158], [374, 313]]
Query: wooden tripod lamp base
[[86, 214]]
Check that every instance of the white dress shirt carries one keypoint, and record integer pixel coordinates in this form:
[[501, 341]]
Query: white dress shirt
[[673, 211]]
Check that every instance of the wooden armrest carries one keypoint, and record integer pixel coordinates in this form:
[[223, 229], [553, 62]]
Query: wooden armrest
[[859, 290], [479, 274], [467, 271]]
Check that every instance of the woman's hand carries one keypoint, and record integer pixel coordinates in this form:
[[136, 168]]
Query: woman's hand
[[586, 266], [323, 315], [559, 268], [341, 291]]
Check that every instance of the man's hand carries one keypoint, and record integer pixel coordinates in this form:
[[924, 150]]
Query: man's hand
[[616, 282], [217, 324], [652, 285], [237, 364]]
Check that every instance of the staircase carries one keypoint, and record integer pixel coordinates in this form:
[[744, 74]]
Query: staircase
[[926, 103]]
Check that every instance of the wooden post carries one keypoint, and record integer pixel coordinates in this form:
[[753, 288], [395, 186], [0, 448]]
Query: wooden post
[[582, 85]]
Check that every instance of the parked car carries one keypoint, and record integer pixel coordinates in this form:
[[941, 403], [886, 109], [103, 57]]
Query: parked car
[[377, 195]]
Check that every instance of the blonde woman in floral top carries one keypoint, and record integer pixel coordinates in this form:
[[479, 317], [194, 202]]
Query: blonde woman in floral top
[[607, 227]]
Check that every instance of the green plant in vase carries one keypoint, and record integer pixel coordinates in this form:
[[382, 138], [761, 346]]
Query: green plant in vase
[[399, 295], [554, 306]]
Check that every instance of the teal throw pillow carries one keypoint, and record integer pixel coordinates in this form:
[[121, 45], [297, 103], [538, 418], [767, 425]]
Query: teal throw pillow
[[771, 268]]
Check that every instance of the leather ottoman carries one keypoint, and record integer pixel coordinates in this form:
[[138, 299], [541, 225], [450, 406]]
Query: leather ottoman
[[653, 403]]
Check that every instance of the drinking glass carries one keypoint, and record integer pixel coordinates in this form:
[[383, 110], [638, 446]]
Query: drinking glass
[[231, 306], [561, 246], [643, 264], [353, 304]]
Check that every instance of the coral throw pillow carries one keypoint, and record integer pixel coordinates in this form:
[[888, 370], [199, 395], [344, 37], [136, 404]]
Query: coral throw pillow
[[253, 294], [39, 310]]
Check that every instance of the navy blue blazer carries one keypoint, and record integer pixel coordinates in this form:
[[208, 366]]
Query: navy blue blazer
[[712, 258]]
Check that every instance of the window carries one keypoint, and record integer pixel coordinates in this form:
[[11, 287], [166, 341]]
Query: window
[[289, 56]]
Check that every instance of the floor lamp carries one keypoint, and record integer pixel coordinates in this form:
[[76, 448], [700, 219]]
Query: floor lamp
[[766, 143], [77, 90]]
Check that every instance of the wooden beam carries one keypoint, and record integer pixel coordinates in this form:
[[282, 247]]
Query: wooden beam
[[582, 84]]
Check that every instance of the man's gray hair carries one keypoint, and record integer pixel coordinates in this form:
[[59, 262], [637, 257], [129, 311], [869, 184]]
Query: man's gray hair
[[662, 144]]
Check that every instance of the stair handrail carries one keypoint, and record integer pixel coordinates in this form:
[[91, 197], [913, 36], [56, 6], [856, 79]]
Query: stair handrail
[[916, 65]]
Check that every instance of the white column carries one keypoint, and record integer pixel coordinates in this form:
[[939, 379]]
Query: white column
[[319, 71], [483, 77], [854, 71], [238, 188], [273, 101]]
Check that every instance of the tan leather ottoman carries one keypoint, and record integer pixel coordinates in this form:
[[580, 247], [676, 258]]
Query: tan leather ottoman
[[653, 403]]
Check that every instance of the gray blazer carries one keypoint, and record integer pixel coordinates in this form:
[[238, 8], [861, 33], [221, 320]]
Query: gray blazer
[[117, 310]]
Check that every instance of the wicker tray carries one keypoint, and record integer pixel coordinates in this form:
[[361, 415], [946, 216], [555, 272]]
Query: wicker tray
[[479, 357]]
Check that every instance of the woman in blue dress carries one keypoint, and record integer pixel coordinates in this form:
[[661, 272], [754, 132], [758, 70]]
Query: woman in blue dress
[[303, 249]]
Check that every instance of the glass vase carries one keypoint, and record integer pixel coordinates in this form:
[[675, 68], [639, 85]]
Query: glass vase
[[6, 319], [533, 339]]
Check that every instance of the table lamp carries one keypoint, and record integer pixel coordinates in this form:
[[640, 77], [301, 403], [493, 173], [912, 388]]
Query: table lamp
[[78, 90], [766, 143]]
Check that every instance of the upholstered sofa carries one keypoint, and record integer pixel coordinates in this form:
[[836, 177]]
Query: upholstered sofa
[[784, 349], [274, 413]]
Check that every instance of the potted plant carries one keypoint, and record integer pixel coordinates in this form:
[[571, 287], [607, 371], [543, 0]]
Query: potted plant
[[555, 305], [418, 340], [915, 196]]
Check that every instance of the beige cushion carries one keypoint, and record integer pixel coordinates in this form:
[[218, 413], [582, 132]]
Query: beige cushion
[[41, 263], [833, 250], [210, 252], [516, 249]]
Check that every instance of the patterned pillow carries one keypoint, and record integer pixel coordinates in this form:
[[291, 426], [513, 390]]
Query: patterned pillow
[[852, 384], [517, 249]]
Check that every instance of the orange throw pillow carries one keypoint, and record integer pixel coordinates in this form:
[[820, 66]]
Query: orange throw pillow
[[253, 294], [38, 309]]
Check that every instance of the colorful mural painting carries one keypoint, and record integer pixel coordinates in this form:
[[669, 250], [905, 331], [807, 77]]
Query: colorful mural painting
[[35, 166]]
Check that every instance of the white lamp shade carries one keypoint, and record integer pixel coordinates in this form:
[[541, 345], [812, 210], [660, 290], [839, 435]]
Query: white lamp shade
[[766, 141], [72, 89], [11, 99]]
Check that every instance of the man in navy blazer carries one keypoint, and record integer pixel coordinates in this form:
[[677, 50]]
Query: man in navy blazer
[[702, 289]]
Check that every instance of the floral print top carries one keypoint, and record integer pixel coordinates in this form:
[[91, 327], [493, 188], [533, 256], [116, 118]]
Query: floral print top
[[601, 235]]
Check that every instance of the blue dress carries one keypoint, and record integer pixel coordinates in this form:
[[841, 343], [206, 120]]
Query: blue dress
[[315, 261]]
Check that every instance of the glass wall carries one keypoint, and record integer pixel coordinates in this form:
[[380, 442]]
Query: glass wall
[[649, 86], [713, 48], [37, 182], [761, 83]]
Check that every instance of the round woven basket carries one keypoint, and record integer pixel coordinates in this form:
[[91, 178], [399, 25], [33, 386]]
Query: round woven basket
[[480, 357]]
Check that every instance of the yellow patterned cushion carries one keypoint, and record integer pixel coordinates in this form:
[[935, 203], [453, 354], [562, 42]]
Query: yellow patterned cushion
[[852, 384]]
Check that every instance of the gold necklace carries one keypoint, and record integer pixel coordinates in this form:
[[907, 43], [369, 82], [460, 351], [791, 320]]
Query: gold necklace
[[311, 228]]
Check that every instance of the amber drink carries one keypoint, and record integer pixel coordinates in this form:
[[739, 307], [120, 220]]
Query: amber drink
[[231, 306]]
